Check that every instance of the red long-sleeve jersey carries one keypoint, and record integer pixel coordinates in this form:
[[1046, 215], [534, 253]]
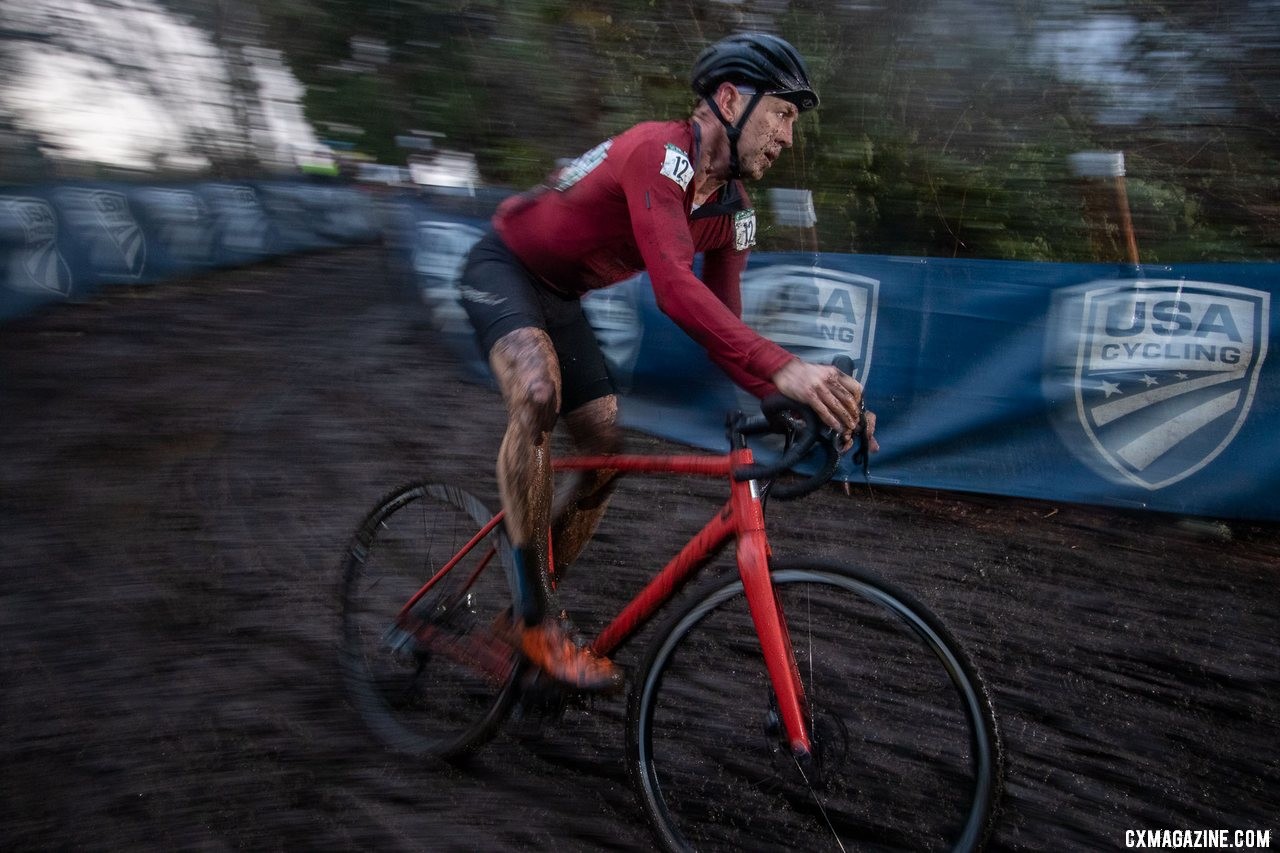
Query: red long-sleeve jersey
[[627, 206]]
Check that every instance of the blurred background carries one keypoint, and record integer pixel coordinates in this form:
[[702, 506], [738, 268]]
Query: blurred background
[[947, 127]]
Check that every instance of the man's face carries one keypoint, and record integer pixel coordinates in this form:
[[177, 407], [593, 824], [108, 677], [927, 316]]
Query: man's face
[[767, 132]]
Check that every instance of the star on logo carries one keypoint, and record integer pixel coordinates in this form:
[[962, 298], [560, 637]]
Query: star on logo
[[1149, 380], [1180, 375], [1110, 388]]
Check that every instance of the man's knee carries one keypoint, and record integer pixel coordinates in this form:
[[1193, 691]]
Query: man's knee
[[539, 405], [528, 373], [593, 426]]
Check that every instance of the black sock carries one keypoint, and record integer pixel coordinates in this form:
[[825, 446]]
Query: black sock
[[528, 586]]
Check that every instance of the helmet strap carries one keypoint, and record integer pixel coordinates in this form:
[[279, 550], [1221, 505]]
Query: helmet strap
[[733, 131]]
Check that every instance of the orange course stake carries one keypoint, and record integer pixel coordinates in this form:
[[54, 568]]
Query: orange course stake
[[1110, 164]]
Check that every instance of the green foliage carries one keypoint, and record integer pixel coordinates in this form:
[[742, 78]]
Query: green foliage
[[945, 126], [350, 95]]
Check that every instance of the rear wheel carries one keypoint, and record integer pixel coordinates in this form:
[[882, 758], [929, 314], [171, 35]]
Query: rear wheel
[[430, 679], [906, 754]]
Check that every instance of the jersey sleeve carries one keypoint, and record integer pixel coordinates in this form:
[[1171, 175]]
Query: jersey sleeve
[[722, 274], [655, 179]]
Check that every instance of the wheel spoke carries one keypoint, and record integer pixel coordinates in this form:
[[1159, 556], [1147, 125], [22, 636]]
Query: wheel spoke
[[905, 751], [430, 680], [817, 801]]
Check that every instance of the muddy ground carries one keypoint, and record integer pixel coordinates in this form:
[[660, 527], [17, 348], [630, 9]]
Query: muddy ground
[[181, 466]]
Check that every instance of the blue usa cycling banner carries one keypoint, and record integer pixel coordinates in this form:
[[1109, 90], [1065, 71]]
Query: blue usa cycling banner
[[1094, 383], [1132, 387]]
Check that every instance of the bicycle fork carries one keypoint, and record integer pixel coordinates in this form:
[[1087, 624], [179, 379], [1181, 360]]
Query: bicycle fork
[[770, 622]]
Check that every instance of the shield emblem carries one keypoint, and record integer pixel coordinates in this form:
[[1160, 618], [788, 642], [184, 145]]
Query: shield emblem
[[813, 312], [112, 238], [1166, 372], [241, 224], [614, 315], [181, 223], [121, 229], [37, 265], [439, 255]]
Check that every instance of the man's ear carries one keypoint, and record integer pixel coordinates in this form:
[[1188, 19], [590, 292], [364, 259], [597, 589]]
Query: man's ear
[[728, 98]]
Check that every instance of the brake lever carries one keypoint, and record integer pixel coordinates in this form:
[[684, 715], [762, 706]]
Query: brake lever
[[861, 448]]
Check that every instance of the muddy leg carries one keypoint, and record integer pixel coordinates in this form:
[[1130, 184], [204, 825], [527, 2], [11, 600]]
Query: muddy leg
[[593, 428], [528, 373]]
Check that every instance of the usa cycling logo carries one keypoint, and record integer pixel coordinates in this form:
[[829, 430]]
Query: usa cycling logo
[[182, 223], [615, 317], [1166, 372], [115, 242], [439, 253], [118, 223], [813, 312], [36, 265]]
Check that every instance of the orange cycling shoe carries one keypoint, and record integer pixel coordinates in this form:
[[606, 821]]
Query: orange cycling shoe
[[550, 647]]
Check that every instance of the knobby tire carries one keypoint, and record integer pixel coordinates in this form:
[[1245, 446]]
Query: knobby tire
[[907, 753], [427, 685]]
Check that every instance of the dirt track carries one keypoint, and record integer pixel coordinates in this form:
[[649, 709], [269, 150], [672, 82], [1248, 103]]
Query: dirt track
[[183, 464]]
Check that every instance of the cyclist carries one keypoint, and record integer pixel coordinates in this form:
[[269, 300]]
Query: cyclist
[[647, 199]]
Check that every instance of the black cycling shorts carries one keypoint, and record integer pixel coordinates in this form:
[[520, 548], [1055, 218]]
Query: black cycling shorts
[[500, 295]]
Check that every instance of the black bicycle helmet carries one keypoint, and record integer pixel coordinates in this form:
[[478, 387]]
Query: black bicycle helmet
[[766, 64]]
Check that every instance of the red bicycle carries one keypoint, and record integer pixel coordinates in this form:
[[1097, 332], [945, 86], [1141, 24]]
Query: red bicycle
[[797, 705]]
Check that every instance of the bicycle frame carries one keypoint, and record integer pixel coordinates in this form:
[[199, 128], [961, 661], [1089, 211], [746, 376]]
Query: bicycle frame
[[741, 518]]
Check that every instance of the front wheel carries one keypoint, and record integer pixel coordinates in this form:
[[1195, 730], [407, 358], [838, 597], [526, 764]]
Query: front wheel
[[906, 754], [428, 676]]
